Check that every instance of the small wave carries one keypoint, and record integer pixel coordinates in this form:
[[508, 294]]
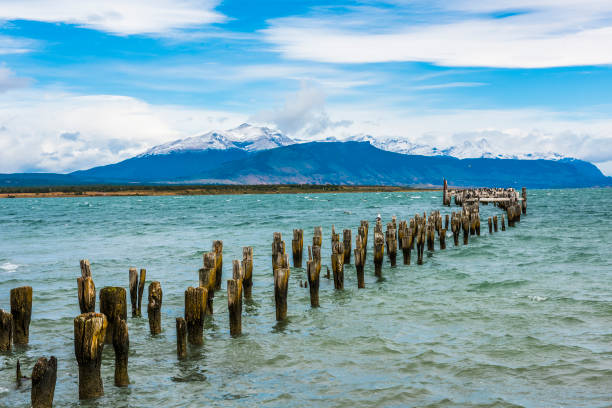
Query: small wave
[[502, 284], [3, 390], [9, 267], [535, 298], [415, 197]]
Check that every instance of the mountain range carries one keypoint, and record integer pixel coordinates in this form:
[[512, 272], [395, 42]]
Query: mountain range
[[259, 155]]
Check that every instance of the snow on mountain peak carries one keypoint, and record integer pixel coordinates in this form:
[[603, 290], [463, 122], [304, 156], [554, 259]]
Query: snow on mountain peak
[[244, 137]]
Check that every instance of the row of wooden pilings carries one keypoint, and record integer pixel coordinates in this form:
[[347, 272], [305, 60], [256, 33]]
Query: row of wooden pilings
[[92, 330]]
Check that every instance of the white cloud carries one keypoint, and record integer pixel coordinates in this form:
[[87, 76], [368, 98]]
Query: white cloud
[[116, 16], [58, 131], [533, 34], [11, 45], [8, 80]]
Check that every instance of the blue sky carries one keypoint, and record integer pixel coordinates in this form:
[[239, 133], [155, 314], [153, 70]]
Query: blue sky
[[87, 83]]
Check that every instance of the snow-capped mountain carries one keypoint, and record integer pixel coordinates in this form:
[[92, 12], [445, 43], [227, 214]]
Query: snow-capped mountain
[[251, 138], [245, 137]]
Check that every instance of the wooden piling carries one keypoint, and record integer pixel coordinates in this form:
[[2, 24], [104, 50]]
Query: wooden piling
[[407, 246], [443, 239], [391, 244], [524, 202], [503, 223], [337, 261], [154, 307], [346, 240], [113, 305], [86, 294], [313, 282], [364, 226], [278, 252], [465, 223], [89, 335], [218, 249], [6, 331], [446, 221], [495, 223], [234, 305], [208, 279], [247, 270], [421, 233], [359, 261], [316, 257], [21, 309], [18, 375], [317, 239], [121, 344], [297, 247], [85, 268], [141, 285], [430, 237], [379, 249], [281, 285], [490, 222], [44, 376], [181, 338], [195, 311], [133, 280]]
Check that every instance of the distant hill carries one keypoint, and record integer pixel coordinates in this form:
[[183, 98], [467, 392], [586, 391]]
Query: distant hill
[[349, 163]]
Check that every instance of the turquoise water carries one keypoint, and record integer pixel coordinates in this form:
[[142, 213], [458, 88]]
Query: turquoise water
[[520, 318]]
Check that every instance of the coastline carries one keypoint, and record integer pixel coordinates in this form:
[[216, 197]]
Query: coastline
[[127, 191]]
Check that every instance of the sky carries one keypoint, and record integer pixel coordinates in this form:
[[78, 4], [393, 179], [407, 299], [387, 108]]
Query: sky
[[85, 83]]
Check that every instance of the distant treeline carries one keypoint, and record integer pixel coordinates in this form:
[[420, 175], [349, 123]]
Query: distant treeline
[[196, 189]]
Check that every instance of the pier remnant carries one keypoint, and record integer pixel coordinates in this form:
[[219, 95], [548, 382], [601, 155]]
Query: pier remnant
[[247, 271], [297, 247], [113, 305], [21, 309], [121, 344], [359, 261], [281, 285], [208, 279], [391, 243], [234, 305], [195, 311], [133, 279], [337, 260], [317, 238], [141, 286], [44, 375], [313, 282], [89, 335], [86, 288], [154, 307], [6, 331], [181, 338], [379, 248], [346, 240], [218, 249]]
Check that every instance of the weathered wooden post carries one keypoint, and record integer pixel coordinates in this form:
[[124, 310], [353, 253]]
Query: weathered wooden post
[[208, 279], [278, 251], [495, 223], [154, 307], [524, 202], [121, 344], [114, 306], [446, 221], [443, 239], [133, 279], [86, 288], [247, 270], [297, 247], [346, 239], [455, 228], [195, 310], [89, 335], [316, 257], [364, 238], [431, 238], [359, 261], [477, 221], [391, 244], [6, 331], [503, 223], [337, 260], [44, 376], [218, 249], [141, 285], [21, 309], [313, 282], [181, 338], [421, 243], [317, 239], [18, 374], [490, 222], [465, 219], [281, 285], [234, 305], [379, 249], [407, 246]]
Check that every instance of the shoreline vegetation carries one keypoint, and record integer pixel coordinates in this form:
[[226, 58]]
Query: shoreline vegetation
[[171, 190]]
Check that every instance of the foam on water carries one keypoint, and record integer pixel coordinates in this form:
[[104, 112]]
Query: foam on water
[[9, 267]]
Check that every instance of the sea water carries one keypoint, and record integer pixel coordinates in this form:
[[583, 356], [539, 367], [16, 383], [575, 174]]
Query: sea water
[[518, 318]]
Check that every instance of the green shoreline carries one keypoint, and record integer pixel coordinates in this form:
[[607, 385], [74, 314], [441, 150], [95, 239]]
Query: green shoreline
[[156, 190]]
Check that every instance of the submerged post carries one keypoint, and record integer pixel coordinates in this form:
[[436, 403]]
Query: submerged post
[[208, 279], [391, 244], [495, 223], [121, 344], [86, 289], [359, 261], [6, 331], [346, 240], [141, 285], [181, 338], [503, 223], [281, 285], [133, 279], [154, 307], [195, 310], [218, 249], [297, 247], [337, 260], [313, 282], [89, 334], [21, 309], [317, 239], [379, 248], [113, 305], [234, 306], [44, 376], [247, 271]]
